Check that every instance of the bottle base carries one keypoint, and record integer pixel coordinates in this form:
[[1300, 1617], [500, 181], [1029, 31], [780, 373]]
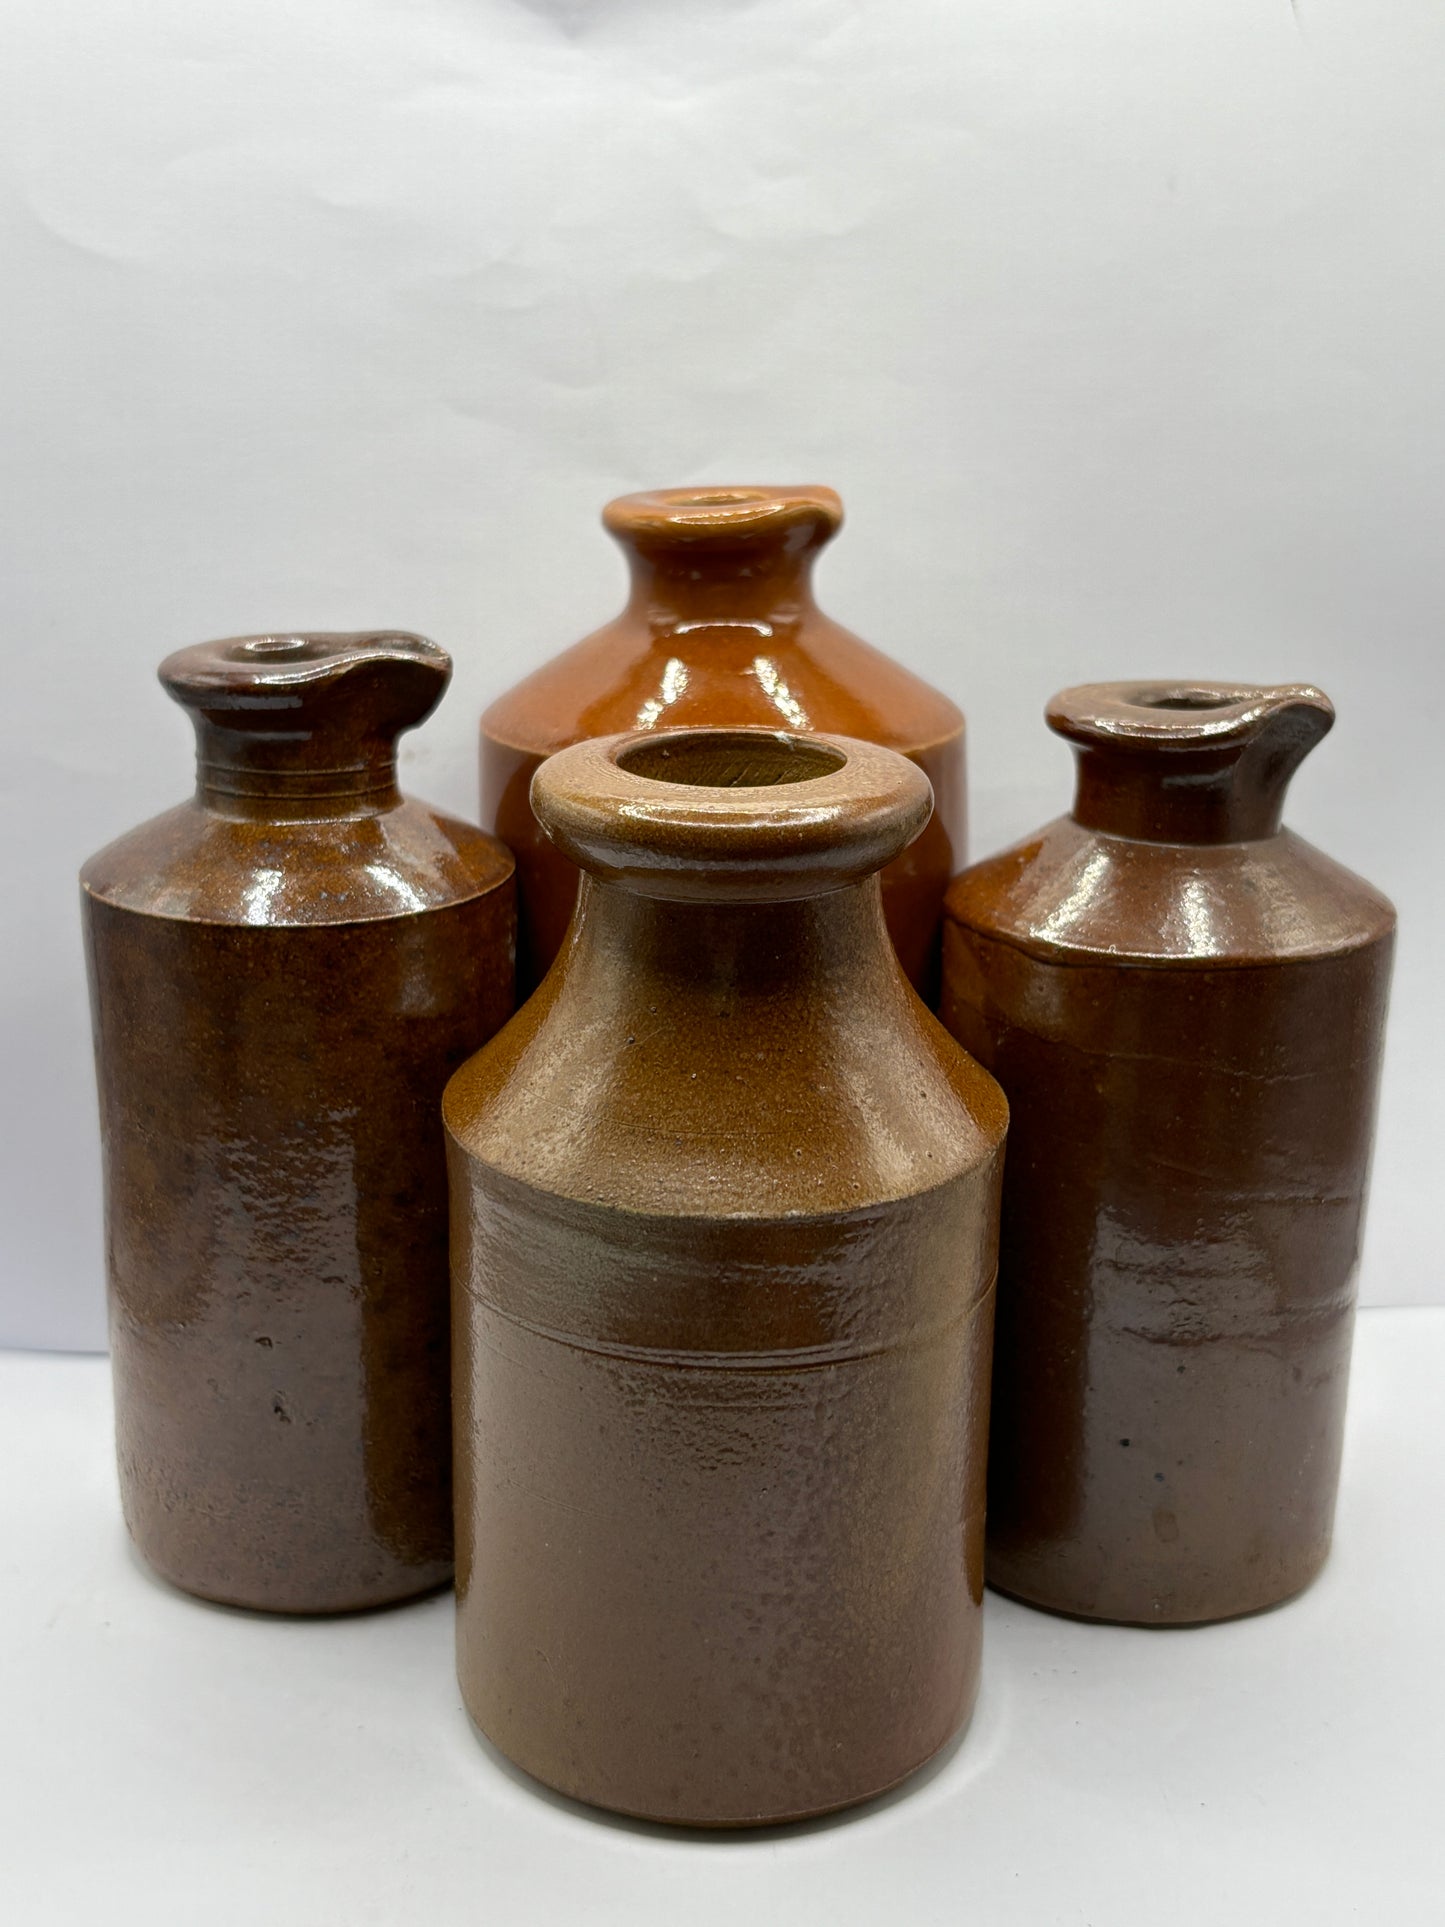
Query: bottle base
[[1160, 1612], [712, 1824], [283, 1603]]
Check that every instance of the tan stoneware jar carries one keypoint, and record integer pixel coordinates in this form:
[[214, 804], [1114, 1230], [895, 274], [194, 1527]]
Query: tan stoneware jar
[[721, 628], [284, 972], [724, 1202], [1185, 1004]]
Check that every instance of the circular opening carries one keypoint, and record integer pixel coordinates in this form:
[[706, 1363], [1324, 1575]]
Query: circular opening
[[731, 761], [275, 648], [720, 498], [1185, 699]]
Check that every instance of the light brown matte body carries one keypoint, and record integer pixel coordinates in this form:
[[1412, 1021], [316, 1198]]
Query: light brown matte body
[[724, 1223], [1185, 1004], [721, 629], [284, 971]]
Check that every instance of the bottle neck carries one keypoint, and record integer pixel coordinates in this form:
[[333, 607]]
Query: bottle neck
[[276, 778], [1205, 763], [816, 956], [1169, 798], [767, 587], [304, 724]]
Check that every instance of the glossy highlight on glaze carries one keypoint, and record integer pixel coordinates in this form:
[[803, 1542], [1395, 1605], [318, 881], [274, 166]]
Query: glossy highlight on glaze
[[724, 1221], [1185, 1004], [284, 971], [721, 629]]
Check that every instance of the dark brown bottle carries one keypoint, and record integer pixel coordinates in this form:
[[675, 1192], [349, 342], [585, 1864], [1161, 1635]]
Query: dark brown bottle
[[724, 1206], [721, 628], [1185, 1004], [284, 971]]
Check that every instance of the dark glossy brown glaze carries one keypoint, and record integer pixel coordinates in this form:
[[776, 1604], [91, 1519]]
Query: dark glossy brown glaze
[[284, 972], [724, 1202], [721, 628], [1185, 1004]]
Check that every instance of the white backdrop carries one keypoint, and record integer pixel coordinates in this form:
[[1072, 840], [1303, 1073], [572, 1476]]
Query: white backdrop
[[1119, 326]]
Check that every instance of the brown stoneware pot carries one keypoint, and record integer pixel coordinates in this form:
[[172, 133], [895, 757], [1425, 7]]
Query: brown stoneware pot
[[724, 1202], [284, 972], [1185, 1005], [721, 629]]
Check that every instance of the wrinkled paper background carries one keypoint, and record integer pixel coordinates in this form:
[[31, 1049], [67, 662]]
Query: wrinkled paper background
[[1117, 324]]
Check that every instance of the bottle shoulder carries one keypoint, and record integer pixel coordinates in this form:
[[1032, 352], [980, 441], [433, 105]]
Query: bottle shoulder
[[724, 1114], [194, 865], [1073, 894], [812, 674]]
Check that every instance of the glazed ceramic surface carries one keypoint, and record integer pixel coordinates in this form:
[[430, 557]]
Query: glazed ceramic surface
[[721, 628], [724, 1229], [1185, 1004], [284, 971]]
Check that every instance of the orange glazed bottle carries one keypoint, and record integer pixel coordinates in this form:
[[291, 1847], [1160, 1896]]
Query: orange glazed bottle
[[721, 629]]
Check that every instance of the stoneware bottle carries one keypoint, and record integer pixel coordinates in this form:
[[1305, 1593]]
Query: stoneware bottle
[[284, 972], [1185, 1005], [721, 628], [723, 1240]]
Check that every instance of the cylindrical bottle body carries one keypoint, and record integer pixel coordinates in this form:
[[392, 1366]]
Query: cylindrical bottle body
[[276, 1238], [1182, 1213], [720, 1493], [724, 1233]]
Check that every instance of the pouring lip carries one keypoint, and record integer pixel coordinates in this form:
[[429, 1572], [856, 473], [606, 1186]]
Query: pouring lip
[[1184, 715], [723, 513], [743, 813], [277, 665]]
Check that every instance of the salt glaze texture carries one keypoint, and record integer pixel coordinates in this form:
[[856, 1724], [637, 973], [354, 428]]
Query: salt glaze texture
[[721, 628], [724, 1230], [284, 972], [1185, 1004]]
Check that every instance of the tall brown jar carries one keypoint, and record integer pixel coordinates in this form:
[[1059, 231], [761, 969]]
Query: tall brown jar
[[721, 628], [284, 971], [723, 1239], [1185, 1005]]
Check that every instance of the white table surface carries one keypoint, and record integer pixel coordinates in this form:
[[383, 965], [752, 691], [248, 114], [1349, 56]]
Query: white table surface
[[164, 1761]]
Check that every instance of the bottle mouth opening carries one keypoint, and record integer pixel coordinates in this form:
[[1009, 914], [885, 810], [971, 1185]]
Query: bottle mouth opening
[[1187, 718], [720, 815], [1185, 699], [715, 497], [751, 513], [363, 687], [731, 759], [283, 661], [277, 649]]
